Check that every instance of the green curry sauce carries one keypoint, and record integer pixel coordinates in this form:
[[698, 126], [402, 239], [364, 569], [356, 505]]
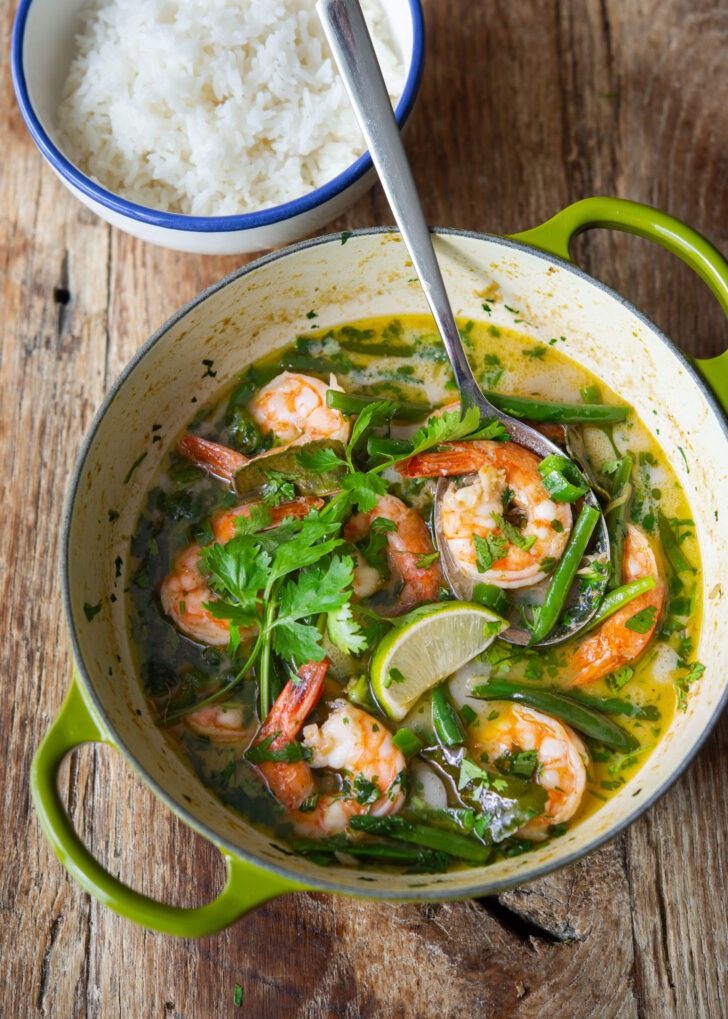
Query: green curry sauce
[[402, 360]]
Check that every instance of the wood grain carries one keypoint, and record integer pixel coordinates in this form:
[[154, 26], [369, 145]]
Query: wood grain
[[524, 107]]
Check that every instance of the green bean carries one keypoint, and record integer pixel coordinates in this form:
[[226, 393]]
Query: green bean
[[619, 597], [407, 741], [562, 479], [492, 597], [580, 716], [377, 446], [429, 859], [617, 706], [314, 365], [671, 546], [375, 349], [563, 576], [352, 403], [558, 413], [460, 846], [448, 727], [616, 516]]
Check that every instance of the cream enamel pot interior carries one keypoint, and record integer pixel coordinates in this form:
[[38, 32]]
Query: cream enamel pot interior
[[263, 306]]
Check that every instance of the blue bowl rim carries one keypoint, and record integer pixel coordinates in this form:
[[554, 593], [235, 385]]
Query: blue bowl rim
[[205, 224]]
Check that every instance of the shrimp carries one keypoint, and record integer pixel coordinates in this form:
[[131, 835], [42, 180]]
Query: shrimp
[[350, 742], [507, 482], [220, 461], [185, 592], [406, 545], [562, 759], [291, 406], [294, 408], [221, 723], [614, 643]]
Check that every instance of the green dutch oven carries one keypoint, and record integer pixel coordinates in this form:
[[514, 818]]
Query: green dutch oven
[[251, 312]]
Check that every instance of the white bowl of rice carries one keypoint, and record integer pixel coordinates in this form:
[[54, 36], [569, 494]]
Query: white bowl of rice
[[208, 126]]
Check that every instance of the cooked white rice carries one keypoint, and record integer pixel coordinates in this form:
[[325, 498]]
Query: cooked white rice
[[212, 107]]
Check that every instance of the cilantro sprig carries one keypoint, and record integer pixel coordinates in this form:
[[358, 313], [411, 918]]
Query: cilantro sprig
[[292, 581]]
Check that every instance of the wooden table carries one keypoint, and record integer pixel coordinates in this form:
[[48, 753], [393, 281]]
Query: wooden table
[[525, 106]]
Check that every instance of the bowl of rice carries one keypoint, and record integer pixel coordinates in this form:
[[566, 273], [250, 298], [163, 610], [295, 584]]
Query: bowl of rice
[[207, 126]]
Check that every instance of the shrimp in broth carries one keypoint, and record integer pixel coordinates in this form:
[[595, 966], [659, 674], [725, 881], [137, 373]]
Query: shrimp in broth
[[286, 557]]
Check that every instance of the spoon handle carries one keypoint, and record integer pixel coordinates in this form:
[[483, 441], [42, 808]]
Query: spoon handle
[[353, 51]]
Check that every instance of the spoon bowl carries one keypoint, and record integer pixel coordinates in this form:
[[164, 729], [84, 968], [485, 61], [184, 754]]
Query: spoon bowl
[[354, 53]]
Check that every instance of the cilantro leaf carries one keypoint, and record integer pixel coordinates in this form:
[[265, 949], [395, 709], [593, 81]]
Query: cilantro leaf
[[313, 542], [512, 534], [288, 753], [278, 488], [642, 622], [237, 571], [300, 642], [364, 490], [447, 427], [488, 550], [372, 414], [323, 588], [472, 772], [344, 631], [493, 429], [318, 461]]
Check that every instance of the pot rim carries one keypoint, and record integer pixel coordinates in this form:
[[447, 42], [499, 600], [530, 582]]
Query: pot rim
[[476, 888]]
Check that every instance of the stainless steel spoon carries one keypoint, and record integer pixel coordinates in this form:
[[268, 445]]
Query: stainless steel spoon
[[353, 51]]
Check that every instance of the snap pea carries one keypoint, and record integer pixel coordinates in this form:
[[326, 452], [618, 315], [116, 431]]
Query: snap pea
[[460, 846], [616, 516], [448, 727], [578, 715], [558, 413], [563, 576], [352, 403]]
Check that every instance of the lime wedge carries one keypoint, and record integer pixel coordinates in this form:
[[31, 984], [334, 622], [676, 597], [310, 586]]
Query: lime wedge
[[427, 645]]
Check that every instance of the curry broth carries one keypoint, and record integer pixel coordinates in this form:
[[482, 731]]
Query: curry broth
[[403, 360]]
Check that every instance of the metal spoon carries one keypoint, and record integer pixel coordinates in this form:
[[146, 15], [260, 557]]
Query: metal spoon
[[353, 51]]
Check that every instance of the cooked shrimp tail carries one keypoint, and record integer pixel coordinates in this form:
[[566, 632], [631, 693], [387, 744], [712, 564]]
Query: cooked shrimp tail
[[219, 461]]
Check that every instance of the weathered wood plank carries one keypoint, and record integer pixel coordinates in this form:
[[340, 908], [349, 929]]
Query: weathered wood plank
[[524, 108]]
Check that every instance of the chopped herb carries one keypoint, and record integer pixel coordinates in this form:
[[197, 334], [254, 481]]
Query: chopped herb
[[619, 678], [642, 622], [488, 550], [139, 459], [468, 715], [91, 610], [393, 676], [683, 684], [237, 996], [512, 534]]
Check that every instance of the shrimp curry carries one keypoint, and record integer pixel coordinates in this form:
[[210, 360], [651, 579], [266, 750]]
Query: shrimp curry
[[298, 643]]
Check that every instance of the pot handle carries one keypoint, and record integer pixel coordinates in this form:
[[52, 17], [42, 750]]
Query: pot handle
[[247, 886], [556, 234]]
